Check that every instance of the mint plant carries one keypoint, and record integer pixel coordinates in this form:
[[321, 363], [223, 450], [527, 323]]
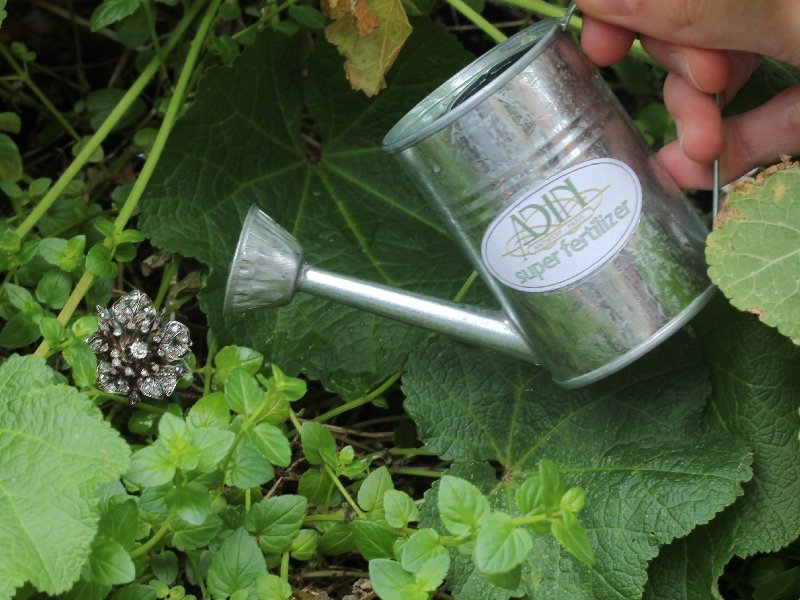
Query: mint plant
[[314, 447]]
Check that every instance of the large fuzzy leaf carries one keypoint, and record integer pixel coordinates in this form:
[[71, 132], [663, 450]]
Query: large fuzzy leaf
[[245, 141], [634, 443], [55, 448], [754, 251], [756, 385]]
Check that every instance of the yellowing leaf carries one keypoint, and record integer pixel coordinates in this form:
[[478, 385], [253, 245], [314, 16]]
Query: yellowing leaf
[[753, 252], [369, 34]]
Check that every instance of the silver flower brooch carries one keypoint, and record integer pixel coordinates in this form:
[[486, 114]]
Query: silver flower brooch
[[137, 349]]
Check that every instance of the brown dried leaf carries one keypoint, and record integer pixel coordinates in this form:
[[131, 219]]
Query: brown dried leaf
[[369, 34]]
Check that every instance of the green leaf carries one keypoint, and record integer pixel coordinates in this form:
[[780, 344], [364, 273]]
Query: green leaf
[[87, 590], [99, 263], [272, 587], [373, 540], [307, 16], [190, 503], [151, 466], [243, 392], [186, 536], [399, 508], [318, 444], [376, 484], [75, 450], [500, 545], [430, 574], [212, 446], [10, 160], [315, 485], [84, 326], [235, 566], [19, 331], [176, 438], [83, 363], [304, 545], [392, 582], [54, 333], [134, 592], [111, 11], [635, 465], [272, 443], [231, 357], [290, 388], [462, 506], [164, 565], [109, 563], [248, 468], [337, 540], [9, 121], [120, 523], [210, 411], [276, 521], [422, 546], [573, 537], [752, 253], [349, 203], [756, 384]]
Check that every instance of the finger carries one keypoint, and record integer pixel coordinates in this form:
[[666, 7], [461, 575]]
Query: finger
[[697, 119], [762, 135], [605, 44], [710, 71], [758, 137], [768, 27], [706, 70], [687, 173]]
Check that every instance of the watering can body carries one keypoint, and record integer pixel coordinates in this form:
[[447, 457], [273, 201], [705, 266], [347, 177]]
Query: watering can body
[[593, 253]]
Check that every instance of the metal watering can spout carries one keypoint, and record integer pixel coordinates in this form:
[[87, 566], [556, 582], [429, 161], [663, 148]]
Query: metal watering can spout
[[268, 269]]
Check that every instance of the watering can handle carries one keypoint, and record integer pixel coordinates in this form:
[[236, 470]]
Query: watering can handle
[[564, 21]]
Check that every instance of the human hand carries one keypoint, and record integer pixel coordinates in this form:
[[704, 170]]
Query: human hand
[[708, 46]]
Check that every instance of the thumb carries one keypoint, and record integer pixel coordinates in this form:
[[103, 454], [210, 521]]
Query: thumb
[[768, 27]]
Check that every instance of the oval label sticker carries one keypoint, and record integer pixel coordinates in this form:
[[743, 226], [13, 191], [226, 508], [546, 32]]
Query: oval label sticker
[[565, 229]]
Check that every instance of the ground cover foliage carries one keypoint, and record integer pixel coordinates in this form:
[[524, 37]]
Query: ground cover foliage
[[314, 451]]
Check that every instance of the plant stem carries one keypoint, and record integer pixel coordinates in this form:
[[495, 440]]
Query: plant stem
[[144, 548], [482, 24], [95, 393], [343, 491], [166, 279], [348, 406], [285, 566], [416, 471], [26, 79], [200, 583], [534, 519], [325, 573], [208, 369], [125, 213], [104, 130], [337, 517]]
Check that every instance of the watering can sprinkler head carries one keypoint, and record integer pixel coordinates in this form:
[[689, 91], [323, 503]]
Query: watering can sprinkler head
[[265, 267]]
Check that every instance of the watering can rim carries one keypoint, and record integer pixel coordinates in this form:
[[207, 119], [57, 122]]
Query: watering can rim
[[440, 108]]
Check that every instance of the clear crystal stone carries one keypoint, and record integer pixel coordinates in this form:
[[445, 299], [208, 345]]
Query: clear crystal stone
[[138, 349]]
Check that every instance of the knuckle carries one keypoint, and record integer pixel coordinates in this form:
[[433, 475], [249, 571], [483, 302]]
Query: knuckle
[[685, 14]]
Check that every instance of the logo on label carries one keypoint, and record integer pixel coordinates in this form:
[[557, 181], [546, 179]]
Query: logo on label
[[565, 229]]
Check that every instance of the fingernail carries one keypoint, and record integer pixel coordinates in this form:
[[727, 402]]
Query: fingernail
[[680, 64], [618, 8], [678, 133]]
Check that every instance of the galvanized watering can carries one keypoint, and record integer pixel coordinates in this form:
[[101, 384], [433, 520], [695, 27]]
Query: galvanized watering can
[[593, 253]]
